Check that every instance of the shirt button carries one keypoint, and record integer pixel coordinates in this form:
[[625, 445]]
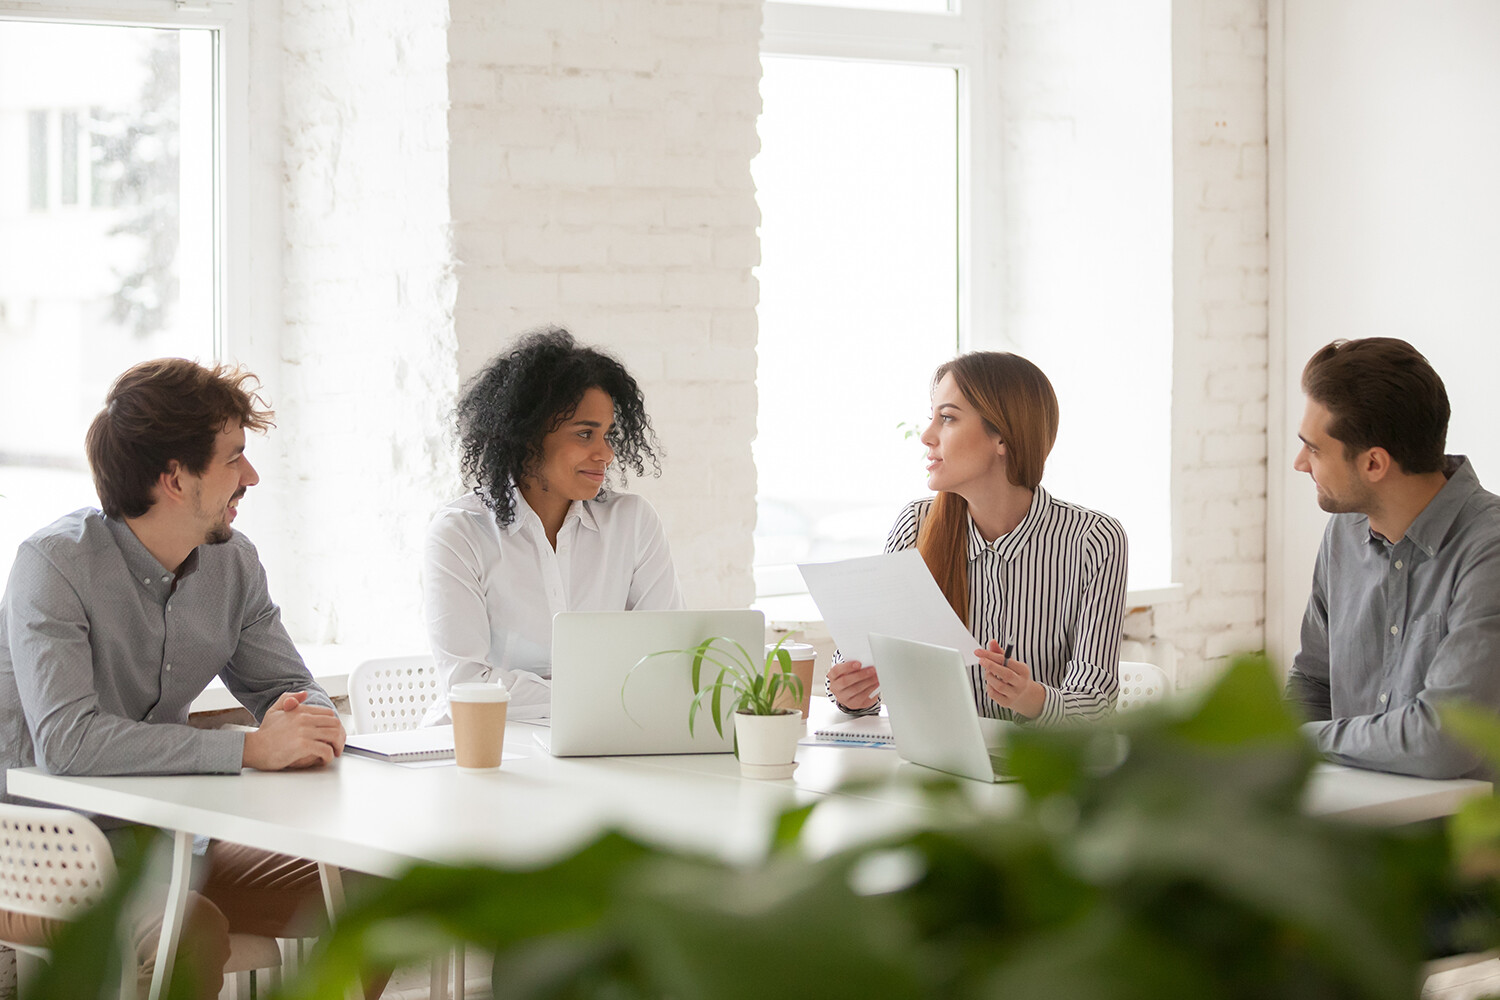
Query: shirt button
[[145, 579], [169, 668], [1382, 699], [164, 579], [1399, 564], [1395, 630]]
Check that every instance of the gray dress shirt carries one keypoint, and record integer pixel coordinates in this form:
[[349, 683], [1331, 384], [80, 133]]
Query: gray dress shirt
[[1394, 629], [100, 656]]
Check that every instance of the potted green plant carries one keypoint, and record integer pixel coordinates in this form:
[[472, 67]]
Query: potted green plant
[[765, 735]]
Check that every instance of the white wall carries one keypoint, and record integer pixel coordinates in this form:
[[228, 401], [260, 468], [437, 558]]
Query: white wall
[[367, 352], [1086, 175], [600, 179], [1389, 161], [597, 175], [1219, 343]]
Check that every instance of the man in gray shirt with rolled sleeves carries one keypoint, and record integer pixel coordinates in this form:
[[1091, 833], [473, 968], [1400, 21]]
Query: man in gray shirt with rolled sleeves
[[1405, 606], [113, 621]]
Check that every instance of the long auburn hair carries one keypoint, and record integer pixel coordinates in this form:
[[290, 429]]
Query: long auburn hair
[[1016, 403]]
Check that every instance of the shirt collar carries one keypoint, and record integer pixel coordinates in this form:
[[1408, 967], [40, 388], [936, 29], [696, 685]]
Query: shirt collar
[[1013, 541], [142, 564], [1431, 526], [580, 509]]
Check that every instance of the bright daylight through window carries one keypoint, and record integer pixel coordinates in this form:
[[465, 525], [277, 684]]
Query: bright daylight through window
[[106, 238], [858, 186]]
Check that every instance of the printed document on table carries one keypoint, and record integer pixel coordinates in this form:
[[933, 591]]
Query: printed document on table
[[892, 594]]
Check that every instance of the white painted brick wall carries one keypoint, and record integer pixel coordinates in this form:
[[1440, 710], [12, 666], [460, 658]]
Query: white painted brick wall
[[367, 349], [600, 179], [1219, 379]]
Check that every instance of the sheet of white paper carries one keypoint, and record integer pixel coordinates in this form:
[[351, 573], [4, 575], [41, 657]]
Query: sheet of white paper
[[892, 594]]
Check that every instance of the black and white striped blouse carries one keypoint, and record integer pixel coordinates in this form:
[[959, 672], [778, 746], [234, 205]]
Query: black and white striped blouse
[[1056, 586]]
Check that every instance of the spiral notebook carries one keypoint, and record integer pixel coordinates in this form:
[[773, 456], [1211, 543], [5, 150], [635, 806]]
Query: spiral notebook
[[863, 729], [425, 743]]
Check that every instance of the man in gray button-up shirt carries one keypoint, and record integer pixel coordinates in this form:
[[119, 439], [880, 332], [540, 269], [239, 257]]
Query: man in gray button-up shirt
[[113, 621], [1405, 606]]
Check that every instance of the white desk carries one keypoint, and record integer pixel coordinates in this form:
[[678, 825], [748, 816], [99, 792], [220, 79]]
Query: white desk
[[1383, 799], [376, 817], [379, 818]]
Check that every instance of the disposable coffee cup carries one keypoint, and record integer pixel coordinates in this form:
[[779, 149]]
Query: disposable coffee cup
[[803, 657], [478, 712]]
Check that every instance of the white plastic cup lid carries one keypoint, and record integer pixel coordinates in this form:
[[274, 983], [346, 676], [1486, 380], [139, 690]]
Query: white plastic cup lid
[[477, 691], [796, 650]]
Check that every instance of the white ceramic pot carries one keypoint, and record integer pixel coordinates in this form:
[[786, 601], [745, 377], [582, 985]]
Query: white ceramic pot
[[767, 744]]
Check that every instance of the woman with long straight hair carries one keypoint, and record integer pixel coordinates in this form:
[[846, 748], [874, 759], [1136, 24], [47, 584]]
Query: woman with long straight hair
[[1039, 582]]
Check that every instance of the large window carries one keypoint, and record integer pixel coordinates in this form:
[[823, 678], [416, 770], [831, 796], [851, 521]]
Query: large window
[[861, 183], [925, 190], [858, 188], [108, 236]]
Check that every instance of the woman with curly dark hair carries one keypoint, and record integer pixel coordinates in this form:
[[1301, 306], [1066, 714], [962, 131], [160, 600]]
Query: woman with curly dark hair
[[541, 532]]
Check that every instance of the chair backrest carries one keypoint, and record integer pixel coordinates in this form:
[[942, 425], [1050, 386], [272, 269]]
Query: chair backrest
[[393, 693], [53, 863], [1140, 684]]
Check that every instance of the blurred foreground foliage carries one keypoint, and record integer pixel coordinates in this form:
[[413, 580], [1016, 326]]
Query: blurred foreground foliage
[[1166, 856]]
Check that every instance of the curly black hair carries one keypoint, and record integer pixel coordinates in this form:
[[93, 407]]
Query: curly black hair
[[524, 394]]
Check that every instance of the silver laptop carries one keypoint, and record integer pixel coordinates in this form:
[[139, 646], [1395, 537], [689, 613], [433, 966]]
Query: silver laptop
[[593, 651], [931, 704]]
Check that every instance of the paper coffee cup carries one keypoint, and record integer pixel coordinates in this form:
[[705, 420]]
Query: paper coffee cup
[[803, 657], [478, 712]]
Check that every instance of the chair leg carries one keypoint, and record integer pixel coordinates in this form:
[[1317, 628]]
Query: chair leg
[[28, 967], [437, 986], [458, 972]]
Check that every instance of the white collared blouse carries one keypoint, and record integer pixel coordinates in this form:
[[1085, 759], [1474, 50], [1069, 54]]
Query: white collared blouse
[[489, 593]]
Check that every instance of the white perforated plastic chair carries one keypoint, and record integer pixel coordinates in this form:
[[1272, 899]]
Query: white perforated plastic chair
[[56, 864], [1140, 684], [389, 695], [392, 694]]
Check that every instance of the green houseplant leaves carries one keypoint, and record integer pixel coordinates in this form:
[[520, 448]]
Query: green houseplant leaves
[[740, 684]]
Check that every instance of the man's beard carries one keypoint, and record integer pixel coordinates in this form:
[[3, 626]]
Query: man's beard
[[221, 532], [1361, 502]]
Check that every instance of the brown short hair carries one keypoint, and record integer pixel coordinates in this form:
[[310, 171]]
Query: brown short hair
[[1016, 401], [162, 411], [1381, 393]]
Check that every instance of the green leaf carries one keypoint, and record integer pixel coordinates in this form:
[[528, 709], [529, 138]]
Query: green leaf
[[717, 707], [1475, 727], [789, 826], [1244, 705]]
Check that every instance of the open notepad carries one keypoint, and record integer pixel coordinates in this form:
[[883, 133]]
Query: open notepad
[[425, 743]]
